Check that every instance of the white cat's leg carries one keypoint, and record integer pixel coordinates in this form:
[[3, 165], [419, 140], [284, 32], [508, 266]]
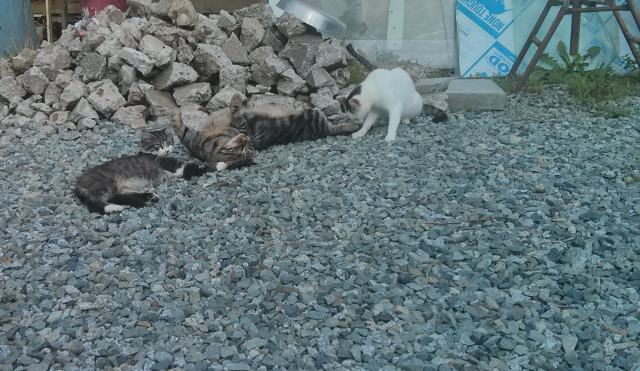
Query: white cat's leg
[[366, 125], [394, 120]]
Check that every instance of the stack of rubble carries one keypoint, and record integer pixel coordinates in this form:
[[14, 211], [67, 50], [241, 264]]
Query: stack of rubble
[[132, 67]]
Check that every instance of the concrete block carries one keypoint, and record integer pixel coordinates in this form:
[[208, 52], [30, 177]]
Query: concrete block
[[433, 85], [475, 94]]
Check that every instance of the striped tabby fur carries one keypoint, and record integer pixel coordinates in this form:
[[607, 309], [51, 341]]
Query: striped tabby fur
[[216, 141], [105, 188], [269, 126]]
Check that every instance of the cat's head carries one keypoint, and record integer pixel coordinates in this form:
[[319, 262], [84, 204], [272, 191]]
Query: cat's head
[[351, 105], [159, 143], [239, 146]]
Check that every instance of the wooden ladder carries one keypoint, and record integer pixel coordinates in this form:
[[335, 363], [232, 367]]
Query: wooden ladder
[[575, 8]]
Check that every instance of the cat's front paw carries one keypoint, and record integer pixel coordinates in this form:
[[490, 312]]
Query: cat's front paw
[[221, 166], [151, 198], [390, 138], [112, 208], [358, 134]]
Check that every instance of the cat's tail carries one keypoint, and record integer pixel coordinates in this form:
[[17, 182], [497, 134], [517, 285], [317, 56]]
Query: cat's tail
[[95, 205], [438, 114], [178, 126]]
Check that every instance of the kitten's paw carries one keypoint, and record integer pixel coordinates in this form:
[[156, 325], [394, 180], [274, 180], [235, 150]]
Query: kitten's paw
[[221, 166], [390, 138], [151, 198], [358, 135], [113, 208], [406, 121]]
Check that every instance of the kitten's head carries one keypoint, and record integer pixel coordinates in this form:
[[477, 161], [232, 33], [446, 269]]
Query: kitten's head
[[350, 104], [159, 143]]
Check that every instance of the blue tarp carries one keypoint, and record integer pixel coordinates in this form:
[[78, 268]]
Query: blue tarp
[[17, 28]]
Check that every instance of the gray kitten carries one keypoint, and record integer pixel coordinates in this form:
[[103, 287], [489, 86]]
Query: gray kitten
[[105, 188]]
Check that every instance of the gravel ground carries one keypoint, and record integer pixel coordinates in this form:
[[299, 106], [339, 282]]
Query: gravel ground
[[495, 241]]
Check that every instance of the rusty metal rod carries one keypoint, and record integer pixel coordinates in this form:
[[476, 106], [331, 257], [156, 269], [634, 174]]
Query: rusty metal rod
[[532, 36], [542, 47], [631, 39], [574, 45]]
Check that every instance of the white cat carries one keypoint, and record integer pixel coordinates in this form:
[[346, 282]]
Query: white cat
[[383, 92]]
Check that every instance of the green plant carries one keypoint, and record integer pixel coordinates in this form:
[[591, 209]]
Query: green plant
[[571, 64], [358, 73], [629, 63]]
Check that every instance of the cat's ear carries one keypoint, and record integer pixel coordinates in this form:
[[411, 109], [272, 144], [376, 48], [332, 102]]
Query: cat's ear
[[146, 135], [169, 130], [354, 103]]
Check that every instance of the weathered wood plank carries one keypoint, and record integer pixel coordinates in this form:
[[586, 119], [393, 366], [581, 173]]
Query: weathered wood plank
[[215, 6], [201, 6]]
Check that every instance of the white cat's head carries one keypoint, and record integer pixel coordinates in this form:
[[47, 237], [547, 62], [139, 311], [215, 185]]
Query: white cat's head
[[351, 104]]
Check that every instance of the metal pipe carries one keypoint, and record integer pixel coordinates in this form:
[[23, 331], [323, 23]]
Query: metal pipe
[[574, 46], [47, 13]]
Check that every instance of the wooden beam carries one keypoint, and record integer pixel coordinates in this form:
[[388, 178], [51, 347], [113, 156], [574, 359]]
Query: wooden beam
[[215, 6], [201, 6]]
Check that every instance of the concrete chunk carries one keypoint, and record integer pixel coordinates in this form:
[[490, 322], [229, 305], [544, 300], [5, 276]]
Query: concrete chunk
[[433, 85], [301, 52], [34, 81], [185, 53], [235, 51], [208, 32], [72, 93], [319, 78], [157, 50], [235, 77], [475, 94], [223, 99], [209, 59], [193, 115], [331, 54], [182, 13], [261, 100], [175, 75], [83, 109], [134, 116], [137, 60], [323, 100], [9, 88], [251, 34], [290, 83], [94, 66], [290, 26], [106, 99], [192, 93], [53, 56], [161, 105], [24, 60]]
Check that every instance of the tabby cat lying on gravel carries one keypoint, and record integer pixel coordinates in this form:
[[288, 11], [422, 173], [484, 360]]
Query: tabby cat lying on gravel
[[105, 188], [269, 126], [216, 141]]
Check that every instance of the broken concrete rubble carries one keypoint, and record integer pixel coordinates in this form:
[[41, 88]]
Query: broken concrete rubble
[[106, 98], [190, 59], [192, 115], [176, 74], [223, 99], [290, 26], [251, 33], [134, 116], [234, 50], [162, 54], [209, 59], [193, 93], [83, 109]]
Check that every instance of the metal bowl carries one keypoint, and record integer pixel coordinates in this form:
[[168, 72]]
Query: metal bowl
[[314, 17]]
